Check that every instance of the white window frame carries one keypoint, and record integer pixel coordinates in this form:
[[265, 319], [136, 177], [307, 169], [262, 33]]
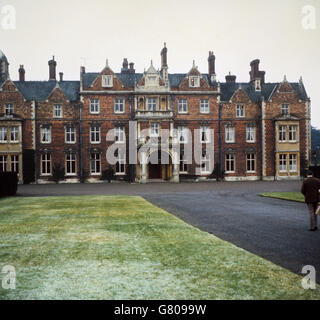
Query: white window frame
[[46, 133], [71, 162], [3, 134], [119, 134], [207, 134], [250, 134], [14, 163], [152, 104], [182, 106], [293, 130], [183, 163], [95, 132], [205, 159], [95, 158], [107, 81], [57, 111], [285, 109], [194, 81], [154, 129], [120, 164], [69, 134], [94, 106], [229, 134], [293, 162], [283, 162], [9, 108], [3, 163], [46, 159], [204, 106], [251, 162], [229, 159], [183, 134], [282, 133], [14, 132], [240, 111], [119, 105]]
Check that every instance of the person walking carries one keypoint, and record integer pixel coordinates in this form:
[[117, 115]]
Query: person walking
[[310, 189]]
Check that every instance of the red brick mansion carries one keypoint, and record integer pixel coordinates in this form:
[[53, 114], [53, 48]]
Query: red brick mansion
[[250, 130]]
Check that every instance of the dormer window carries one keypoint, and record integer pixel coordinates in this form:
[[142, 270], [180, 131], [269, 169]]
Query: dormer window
[[194, 81], [107, 81], [285, 109], [257, 84], [57, 111]]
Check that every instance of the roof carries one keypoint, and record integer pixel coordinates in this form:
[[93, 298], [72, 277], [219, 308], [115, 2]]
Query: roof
[[40, 90], [3, 56]]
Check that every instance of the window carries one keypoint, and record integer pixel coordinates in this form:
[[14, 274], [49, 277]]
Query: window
[[57, 111], [14, 134], [107, 81], [95, 164], [70, 163], [15, 164], [183, 163], [95, 134], [45, 135], [183, 134], [119, 135], [282, 133], [240, 111], [70, 134], [95, 106], [120, 164], [46, 164], [293, 162], [282, 162], [119, 105], [194, 81], [3, 134], [3, 163], [204, 134], [152, 104], [230, 162], [182, 106], [154, 129], [292, 133], [285, 109], [251, 134], [205, 163], [9, 108], [251, 162], [229, 131], [204, 106]]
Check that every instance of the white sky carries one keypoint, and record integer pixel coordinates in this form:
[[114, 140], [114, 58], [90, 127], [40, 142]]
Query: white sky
[[237, 32]]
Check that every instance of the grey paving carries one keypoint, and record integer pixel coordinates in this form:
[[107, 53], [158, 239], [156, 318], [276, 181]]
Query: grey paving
[[274, 229]]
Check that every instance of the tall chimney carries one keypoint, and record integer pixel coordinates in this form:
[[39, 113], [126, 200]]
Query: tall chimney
[[82, 69], [231, 78], [52, 69], [164, 62], [21, 73], [131, 70], [61, 76], [255, 73], [211, 63]]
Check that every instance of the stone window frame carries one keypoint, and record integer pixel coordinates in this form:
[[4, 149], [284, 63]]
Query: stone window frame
[[150, 130], [295, 131], [296, 162], [240, 111], [154, 104], [57, 107], [16, 134], [15, 163], [107, 81], [231, 160], [194, 81], [3, 162], [4, 133], [283, 161], [282, 134]]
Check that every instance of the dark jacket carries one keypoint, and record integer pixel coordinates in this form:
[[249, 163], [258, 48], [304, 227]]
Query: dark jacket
[[310, 190]]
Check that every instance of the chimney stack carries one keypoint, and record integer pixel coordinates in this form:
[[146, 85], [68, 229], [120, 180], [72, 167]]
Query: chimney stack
[[230, 78], [131, 70], [52, 69], [255, 73], [82, 69], [125, 66], [212, 66], [164, 62], [21, 73], [61, 76]]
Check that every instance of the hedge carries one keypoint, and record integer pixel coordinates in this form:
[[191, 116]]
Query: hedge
[[8, 184]]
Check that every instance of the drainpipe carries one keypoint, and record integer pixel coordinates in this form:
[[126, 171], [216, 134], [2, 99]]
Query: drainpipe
[[220, 140], [274, 150], [36, 160], [132, 167], [80, 144]]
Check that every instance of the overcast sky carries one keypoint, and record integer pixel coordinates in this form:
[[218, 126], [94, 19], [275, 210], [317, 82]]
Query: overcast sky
[[81, 32]]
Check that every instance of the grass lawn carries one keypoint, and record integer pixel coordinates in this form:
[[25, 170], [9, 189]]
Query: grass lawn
[[100, 247], [291, 196]]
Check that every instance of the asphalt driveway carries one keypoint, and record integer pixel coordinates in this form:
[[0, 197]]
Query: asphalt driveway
[[274, 229]]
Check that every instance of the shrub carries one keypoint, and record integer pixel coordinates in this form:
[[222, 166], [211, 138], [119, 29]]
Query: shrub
[[8, 184], [107, 174], [58, 173]]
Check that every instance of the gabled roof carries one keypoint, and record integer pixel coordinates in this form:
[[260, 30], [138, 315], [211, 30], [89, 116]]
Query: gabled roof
[[40, 90]]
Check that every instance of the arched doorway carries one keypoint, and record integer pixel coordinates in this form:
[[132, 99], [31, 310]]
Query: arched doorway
[[160, 165]]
